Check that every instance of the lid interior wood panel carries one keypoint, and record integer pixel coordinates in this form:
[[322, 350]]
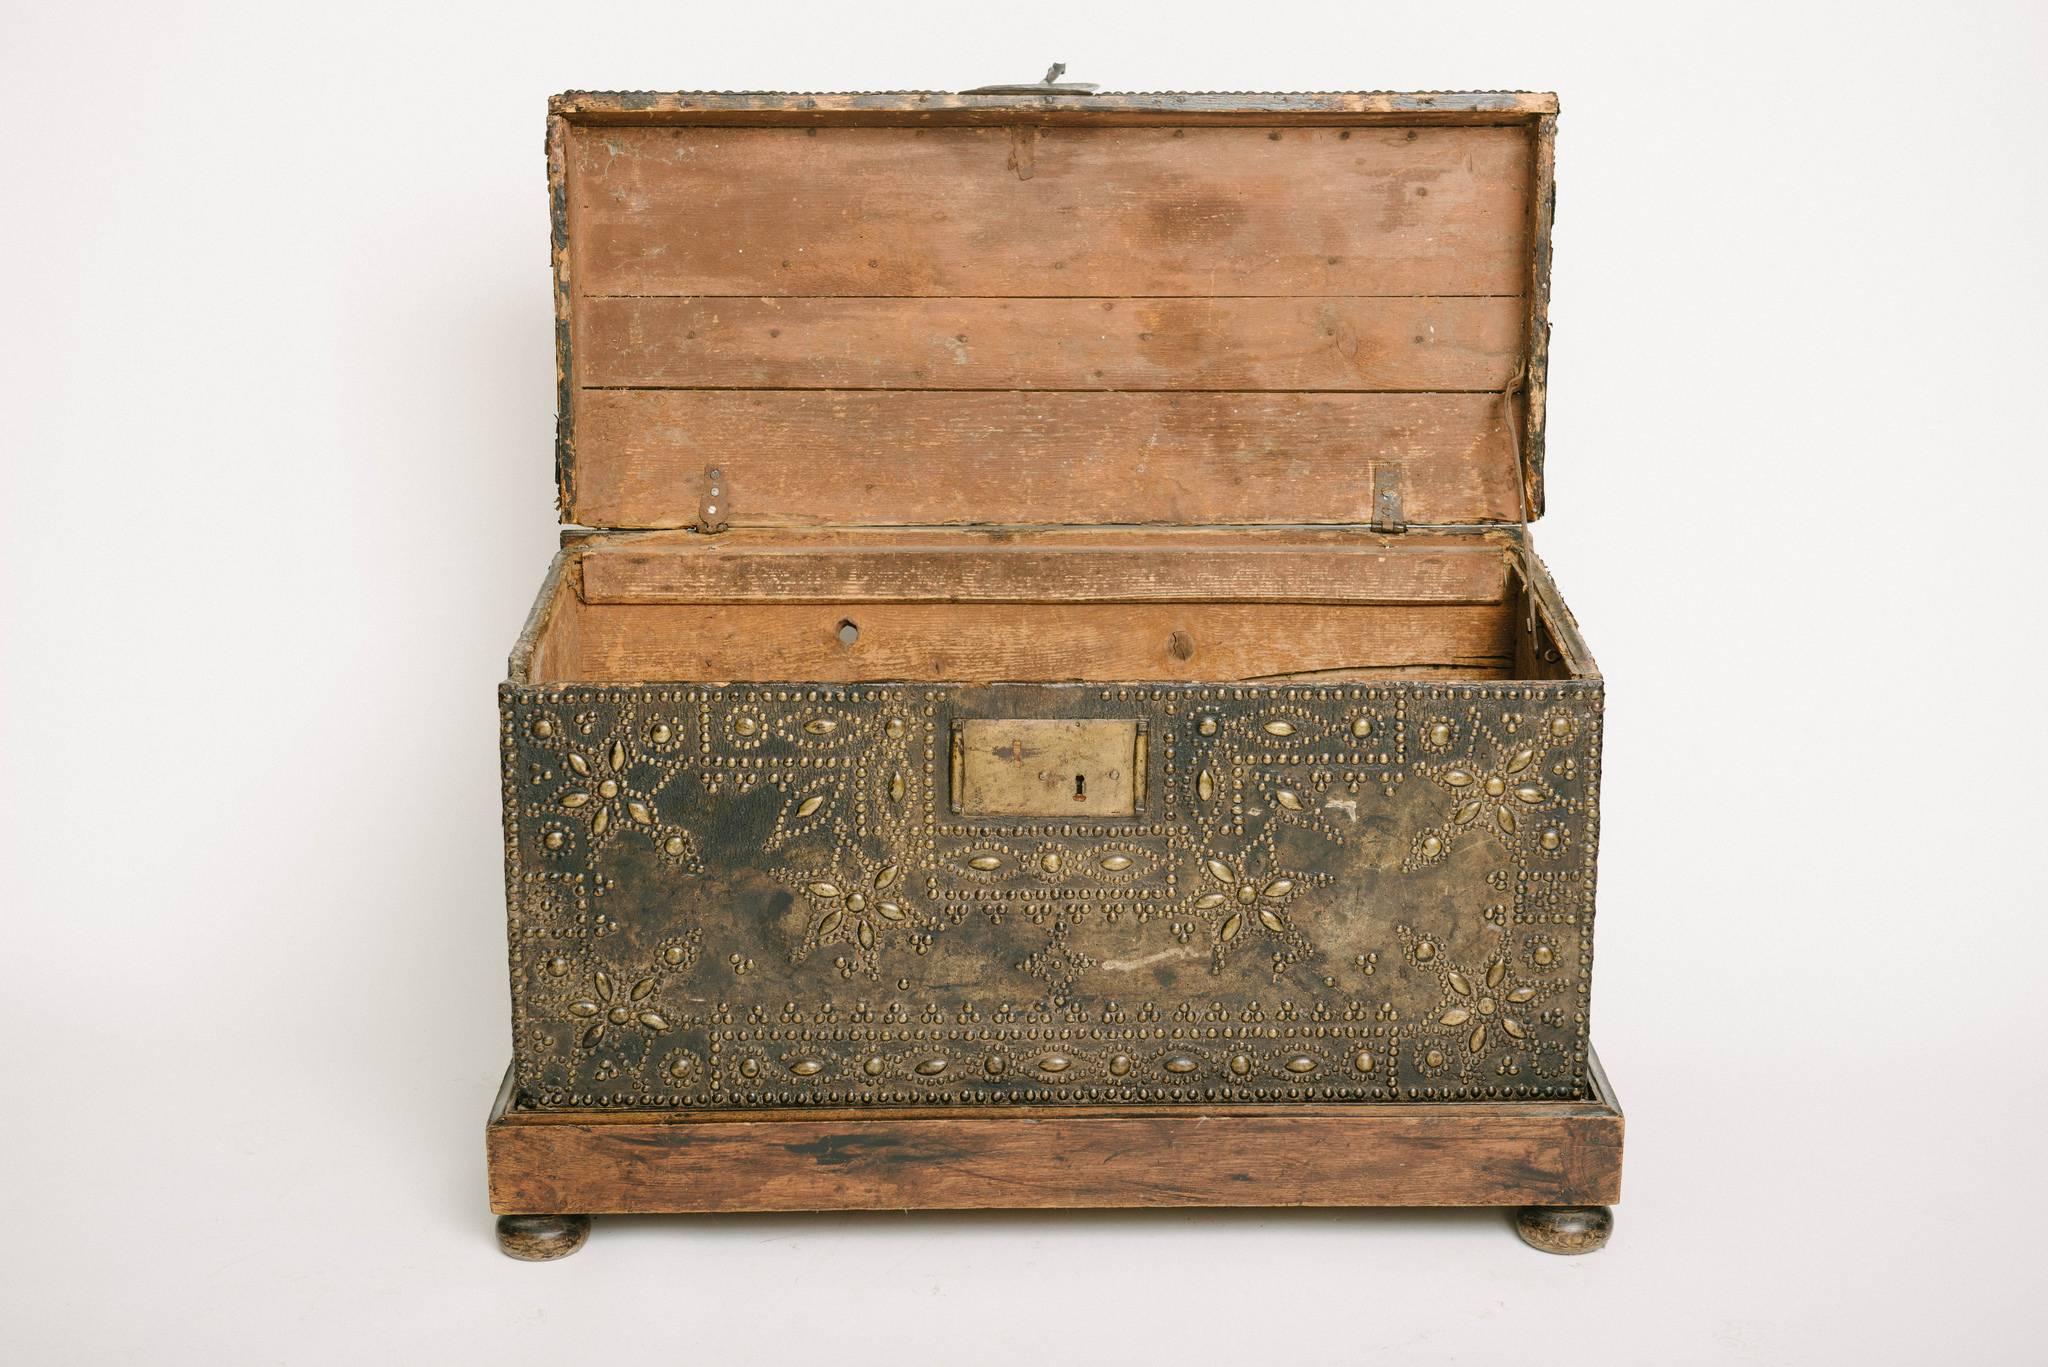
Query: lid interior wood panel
[[885, 316]]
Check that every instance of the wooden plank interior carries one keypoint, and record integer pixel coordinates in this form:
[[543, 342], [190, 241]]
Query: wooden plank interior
[[1455, 344], [837, 457], [739, 569], [1035, 642], [1114, 212], [1041, 321]]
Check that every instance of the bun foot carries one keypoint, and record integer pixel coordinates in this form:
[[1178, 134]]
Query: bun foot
[[1565, 1229], [541, 1238]]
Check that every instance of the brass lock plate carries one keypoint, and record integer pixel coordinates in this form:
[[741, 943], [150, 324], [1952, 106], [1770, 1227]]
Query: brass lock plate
[[1044, 767]]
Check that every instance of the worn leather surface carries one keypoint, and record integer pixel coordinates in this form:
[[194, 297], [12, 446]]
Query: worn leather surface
[[761, 896]]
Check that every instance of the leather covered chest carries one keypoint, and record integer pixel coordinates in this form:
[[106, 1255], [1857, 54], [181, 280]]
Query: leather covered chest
[[1046, 618]]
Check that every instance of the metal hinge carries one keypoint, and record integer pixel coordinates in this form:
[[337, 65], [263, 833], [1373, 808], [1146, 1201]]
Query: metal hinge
[[1386, 499], [714, 510], [1051, 85]]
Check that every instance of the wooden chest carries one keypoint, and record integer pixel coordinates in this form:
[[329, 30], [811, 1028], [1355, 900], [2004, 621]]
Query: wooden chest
[[1046, 634]]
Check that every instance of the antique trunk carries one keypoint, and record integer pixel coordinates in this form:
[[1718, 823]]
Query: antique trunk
[[1046, 636]]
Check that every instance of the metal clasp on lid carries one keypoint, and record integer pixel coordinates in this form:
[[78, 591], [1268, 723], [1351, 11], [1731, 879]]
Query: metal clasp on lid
[[1386, 498], [1051, 85], [714, 508]]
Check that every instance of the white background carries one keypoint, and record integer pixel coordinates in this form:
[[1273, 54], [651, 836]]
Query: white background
[[278, 384]]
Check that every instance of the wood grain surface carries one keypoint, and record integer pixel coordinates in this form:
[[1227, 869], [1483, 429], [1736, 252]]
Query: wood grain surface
[[824, 457], [1478, 1154], [1044, 321]]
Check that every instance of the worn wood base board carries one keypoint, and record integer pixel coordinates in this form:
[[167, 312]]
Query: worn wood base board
[[1478, 1154]]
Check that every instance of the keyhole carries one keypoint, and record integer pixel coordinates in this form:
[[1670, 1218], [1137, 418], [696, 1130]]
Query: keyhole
[[1080, 787]]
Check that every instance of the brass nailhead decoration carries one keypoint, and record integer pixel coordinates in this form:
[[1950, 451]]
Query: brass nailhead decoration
[[746, 726], [674, 844], [809, 805], [1439, 734], [1205, 786], [1301, 1063], [1550, 839], [894, 729], [1120, 1064], [1207, 726], [1116, 863], [932, 1067], [1361, 727], [1240, 1064], [807, 1067], [661, 734], [543, 728], [1362, 1060], [984, 862], [821, 726], [1287, 799], [553, 840], [1278, 728], [1180, 1063], [873, 1066], [1055, 1063], [1050, 862]]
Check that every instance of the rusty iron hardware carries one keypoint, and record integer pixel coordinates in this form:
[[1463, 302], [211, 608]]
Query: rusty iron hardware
[[714, 509], [1051, 85], [1386, 499]]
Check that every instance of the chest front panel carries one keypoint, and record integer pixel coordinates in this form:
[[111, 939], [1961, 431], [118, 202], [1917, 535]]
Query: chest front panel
[[776, 896]]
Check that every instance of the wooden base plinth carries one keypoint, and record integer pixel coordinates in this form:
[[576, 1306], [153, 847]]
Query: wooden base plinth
[[1539, 1154]]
